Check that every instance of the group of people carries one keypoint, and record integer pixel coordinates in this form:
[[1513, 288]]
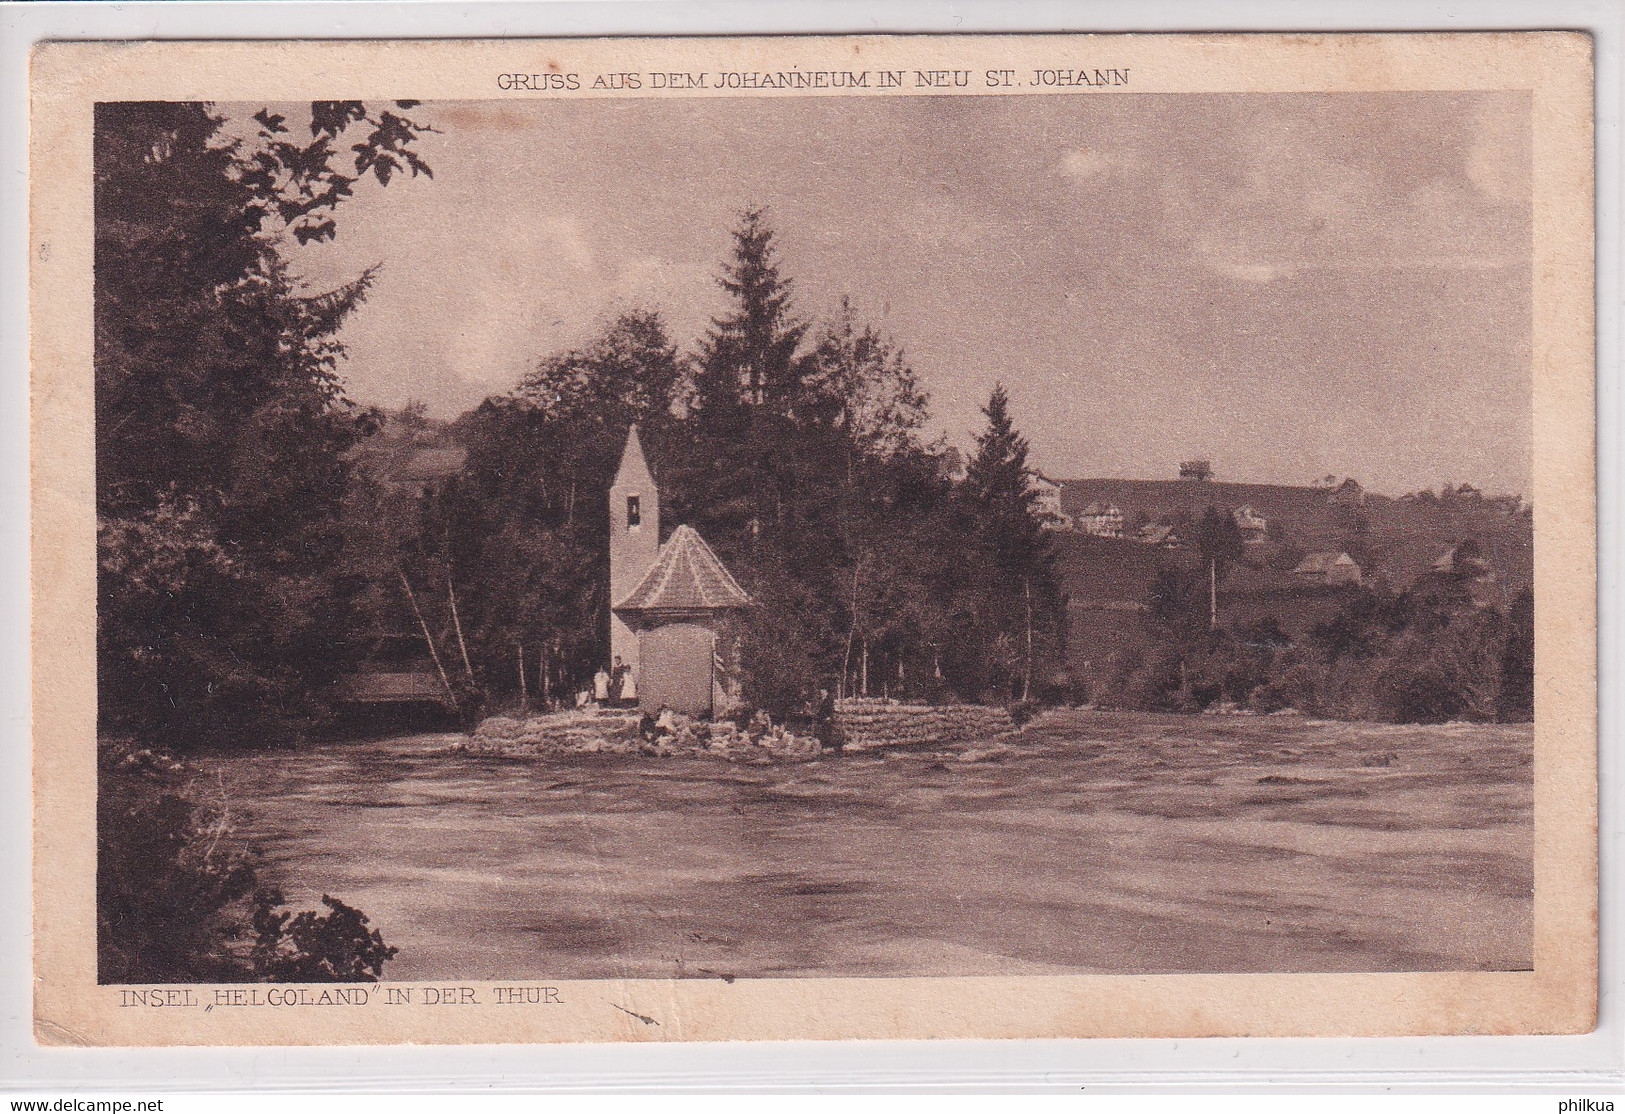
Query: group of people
[[614, 687]]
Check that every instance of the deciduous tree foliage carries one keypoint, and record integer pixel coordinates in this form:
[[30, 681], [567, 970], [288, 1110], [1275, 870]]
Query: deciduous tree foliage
[[221, 427], [796, 449], [1432, 653], [526, 526]]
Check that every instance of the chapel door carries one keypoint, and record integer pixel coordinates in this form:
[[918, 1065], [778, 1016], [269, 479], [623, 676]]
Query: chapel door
[[675, 663]]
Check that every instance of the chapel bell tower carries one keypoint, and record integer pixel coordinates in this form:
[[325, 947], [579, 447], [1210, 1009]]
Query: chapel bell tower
[[634, 541]]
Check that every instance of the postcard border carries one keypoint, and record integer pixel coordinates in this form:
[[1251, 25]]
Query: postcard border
[[1559, 997]]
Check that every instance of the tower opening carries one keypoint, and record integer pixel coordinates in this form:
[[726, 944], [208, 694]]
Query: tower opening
[[634, 512]]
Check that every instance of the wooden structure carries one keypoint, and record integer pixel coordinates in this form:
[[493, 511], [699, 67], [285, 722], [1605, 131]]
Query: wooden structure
[[395, 687], [1332, 569]]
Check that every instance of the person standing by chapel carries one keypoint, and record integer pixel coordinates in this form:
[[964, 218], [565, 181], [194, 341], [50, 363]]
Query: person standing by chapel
[[620, 679], [824, 721]]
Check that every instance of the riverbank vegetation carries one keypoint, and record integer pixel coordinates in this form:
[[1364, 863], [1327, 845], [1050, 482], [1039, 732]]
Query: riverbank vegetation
[[260, 535], [223, 457], [1429, 654]]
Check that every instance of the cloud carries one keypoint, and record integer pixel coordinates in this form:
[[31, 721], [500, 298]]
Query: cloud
[[1177, 262], [1262, 272], [1324, 215]]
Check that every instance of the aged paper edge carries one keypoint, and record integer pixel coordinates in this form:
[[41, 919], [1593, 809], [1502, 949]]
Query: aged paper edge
[[1559, 996]]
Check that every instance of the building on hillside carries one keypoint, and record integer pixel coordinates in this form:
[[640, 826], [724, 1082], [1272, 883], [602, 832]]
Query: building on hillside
[[1347, 494], [1102, 520], [1198, 470], [1253, 526], [672, 606], [1328, 568], [1047, 501], [434, 464], [394, 672], [1158, 534], [371, 686]]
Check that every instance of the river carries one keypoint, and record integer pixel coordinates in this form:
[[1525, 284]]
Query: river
[[1107, 842]]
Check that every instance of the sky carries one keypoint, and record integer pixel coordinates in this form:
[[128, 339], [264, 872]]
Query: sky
[[1292, 285]]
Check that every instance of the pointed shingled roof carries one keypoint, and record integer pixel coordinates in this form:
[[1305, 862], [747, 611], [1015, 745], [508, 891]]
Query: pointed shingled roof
[[634, 470], [1324, 561], [686, 576]]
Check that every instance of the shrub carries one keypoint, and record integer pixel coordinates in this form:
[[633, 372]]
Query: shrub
[[335, 947], [1023, 711], [1432, 653], [1292, 682], [165, 875], [177, 897], [1155, 684]]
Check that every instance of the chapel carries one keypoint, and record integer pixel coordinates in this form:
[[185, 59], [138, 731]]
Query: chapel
[[672, 606]]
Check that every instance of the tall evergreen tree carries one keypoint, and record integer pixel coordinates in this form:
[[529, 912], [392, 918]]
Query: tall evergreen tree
[[998, 483], [1021, 608], [749, 355], [744, 455]]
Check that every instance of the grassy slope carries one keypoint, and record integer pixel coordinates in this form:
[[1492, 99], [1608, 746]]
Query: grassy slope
[[1405, 537]]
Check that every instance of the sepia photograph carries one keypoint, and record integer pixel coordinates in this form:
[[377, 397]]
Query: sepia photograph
[[697, 526], [809, 538]]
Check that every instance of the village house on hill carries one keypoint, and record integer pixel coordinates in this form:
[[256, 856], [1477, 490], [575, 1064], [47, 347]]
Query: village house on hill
[[1158, 534], [1102, 520], [1331, 569], [1254, 527], [671, 605], [1047, 502], [1464, 560], [430, 466]]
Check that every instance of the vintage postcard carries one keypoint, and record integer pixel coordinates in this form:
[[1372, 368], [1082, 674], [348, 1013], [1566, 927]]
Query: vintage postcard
[[813, 538]]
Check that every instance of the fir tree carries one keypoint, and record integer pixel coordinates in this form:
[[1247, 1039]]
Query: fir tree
[[998, 483], [1021, 607], [749, 355]]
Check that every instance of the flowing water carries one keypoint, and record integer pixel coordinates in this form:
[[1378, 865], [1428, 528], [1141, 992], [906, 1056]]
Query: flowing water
[[1107, 842]]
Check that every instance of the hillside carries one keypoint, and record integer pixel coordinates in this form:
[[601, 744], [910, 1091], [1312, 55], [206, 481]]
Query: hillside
[[1397, 539], [1105, 570]]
